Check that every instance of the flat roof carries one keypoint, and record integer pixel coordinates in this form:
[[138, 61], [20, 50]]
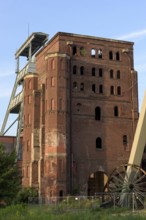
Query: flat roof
[[37, 40]]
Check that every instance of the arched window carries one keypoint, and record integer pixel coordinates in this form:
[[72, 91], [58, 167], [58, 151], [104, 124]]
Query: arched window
[[93, 71], [117, 56], [100, 89], [81, 70], [119, 90], [118, 74], [75, 85], [110, 55], [74, 69], [100, 72], [99, 54], [93, 88], [111, 74], [93, 53], [116, 111], [112, 90], [97, 113], [82, 51], [74, 50], [98, 143], [82, 87]]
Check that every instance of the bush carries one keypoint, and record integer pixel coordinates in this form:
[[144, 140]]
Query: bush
[[25, 193]]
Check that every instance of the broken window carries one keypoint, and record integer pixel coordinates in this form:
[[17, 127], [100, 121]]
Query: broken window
[[117, 56], [111, 74], [82, 87], [93, 71], [100, 89], [98, 143], [99, 54], [74, 50], [93, 53], [110, 55], [100, 72], [81, 70], [82, 51], [119, 90], [97, 114], [112, 90], [74, 69], [93, 88], [118, 74], [116, 111]]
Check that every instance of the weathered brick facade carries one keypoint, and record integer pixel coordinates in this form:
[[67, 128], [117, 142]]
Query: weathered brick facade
[[80, 114]]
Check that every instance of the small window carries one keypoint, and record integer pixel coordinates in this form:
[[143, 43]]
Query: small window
[[93, 88], [82, 51], [97, 114], [118, 90], [100, 89], [111, 74], [116, 111], [30, 84], [52, 81], [93, 71], [112, 90], [93, 53], [74, 69], [100, 72], [52, 64], [82, 87], [118, 74], [81, 70], [74, 50], [29, 99], [117, 56], [125, 140], [110, 55], [98, 143], [75, 85], [99, 54]]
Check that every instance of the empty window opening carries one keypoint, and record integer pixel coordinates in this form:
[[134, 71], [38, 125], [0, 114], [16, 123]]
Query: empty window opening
[[97, 114], [93, 71], [61, 193], [75, 85], [74, 69], [98, 143], [100, 72], [52, 104], [111, 74], [82, 87], [93, 53], [81, 70], [100, 89], [118, 74], [112, 90], [99, 54], [82, 51], [93, 88], [116, 111], [125, 140], [110, 55], [119, 90], [60, 104], [74, 50], [117, 56], [79, 106]]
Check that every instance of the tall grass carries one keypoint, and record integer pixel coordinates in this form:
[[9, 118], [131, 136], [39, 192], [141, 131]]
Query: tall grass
[[23, 212]]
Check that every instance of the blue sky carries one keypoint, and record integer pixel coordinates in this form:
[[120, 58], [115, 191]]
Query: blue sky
[[117, 19]]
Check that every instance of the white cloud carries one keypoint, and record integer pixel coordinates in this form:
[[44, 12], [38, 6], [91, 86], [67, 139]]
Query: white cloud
[[133, 35]]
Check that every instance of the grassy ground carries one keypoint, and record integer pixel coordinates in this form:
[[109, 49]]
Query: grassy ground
[[21, 212]]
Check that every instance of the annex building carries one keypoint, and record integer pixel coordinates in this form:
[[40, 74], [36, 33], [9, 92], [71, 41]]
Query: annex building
[[78, 110]]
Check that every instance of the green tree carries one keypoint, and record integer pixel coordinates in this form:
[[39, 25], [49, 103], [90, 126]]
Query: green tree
[[10, 180]]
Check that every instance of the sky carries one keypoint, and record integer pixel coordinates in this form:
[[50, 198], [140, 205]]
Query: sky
[[115, 19]]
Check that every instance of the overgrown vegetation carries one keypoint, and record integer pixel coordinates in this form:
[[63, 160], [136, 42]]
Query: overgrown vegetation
[[24, 212]]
